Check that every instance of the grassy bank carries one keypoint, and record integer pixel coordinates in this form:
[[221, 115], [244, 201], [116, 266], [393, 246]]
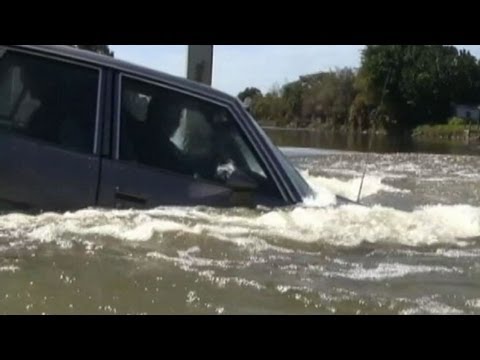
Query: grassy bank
[[440, 131], [319, 128], [455, 129]]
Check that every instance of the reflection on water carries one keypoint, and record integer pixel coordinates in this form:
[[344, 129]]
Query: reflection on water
[[366, 142]]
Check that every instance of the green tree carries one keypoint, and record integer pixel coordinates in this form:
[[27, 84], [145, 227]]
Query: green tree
[[293, 97], [272, 107], [416, 84], [396, 88], [328, 97], [250, 92]]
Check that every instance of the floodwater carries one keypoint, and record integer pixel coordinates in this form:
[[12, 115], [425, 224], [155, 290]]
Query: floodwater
[[413, 248]]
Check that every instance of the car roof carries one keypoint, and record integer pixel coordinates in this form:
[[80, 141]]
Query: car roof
[[91, 57]]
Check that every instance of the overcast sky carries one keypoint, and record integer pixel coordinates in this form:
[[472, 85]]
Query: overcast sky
[[262, 66]]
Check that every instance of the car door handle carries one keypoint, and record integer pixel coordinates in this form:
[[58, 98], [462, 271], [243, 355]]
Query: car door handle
[[120, 195]]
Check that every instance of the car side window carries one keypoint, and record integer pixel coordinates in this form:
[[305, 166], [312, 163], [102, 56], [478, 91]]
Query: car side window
[[48, 100], [180, 133]]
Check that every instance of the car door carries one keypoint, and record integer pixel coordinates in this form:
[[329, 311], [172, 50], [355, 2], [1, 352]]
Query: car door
[[174, 148], [49, 115]]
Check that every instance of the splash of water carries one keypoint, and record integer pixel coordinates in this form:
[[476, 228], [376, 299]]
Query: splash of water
[[325, 187], [314, 222], [348, 225]]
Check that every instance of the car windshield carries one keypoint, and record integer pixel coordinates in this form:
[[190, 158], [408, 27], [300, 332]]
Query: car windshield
[[291, 171]]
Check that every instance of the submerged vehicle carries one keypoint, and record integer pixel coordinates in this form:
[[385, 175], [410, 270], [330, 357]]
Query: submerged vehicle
[[79, 129]]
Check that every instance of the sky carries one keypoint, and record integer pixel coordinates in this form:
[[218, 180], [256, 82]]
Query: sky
[[236, 67]]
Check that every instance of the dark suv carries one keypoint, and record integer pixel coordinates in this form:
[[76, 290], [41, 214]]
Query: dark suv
[[78, 129]]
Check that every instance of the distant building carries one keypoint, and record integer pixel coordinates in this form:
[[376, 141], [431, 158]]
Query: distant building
[[467, 111]]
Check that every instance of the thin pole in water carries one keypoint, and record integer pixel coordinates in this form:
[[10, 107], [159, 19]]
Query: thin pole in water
[[387, 80]]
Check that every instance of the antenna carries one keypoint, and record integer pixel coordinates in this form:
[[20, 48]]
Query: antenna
[[371, 140], [367, 161], [361, 184]]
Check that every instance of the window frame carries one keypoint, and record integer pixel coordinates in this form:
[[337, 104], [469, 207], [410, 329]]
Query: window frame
[[96, 149], [117, 125]]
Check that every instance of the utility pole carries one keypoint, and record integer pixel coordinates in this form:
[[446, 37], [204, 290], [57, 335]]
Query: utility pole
[[200, 63]]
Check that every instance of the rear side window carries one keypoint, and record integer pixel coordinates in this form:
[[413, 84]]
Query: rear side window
[[48, 100]]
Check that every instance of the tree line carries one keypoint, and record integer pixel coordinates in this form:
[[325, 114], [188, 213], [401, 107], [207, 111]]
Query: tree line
[[395, 89]]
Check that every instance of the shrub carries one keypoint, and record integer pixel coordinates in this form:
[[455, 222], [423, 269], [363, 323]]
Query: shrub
[[457, 121]]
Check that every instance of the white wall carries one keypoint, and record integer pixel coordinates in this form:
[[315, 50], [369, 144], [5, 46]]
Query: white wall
[[462, 111]]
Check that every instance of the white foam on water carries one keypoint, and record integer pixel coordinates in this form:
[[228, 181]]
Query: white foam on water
[[283, 289], [323, 196], [9, 268], [403, 167], [351, 224], [457, 253], [209, 275], [187, 262], [347, 225], [192, 297], [333, 172], [325, 186], [431, 307], [473, 303], [389, 271], [422, 167]]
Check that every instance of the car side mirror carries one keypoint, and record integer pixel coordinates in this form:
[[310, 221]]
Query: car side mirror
[[241, 182]]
